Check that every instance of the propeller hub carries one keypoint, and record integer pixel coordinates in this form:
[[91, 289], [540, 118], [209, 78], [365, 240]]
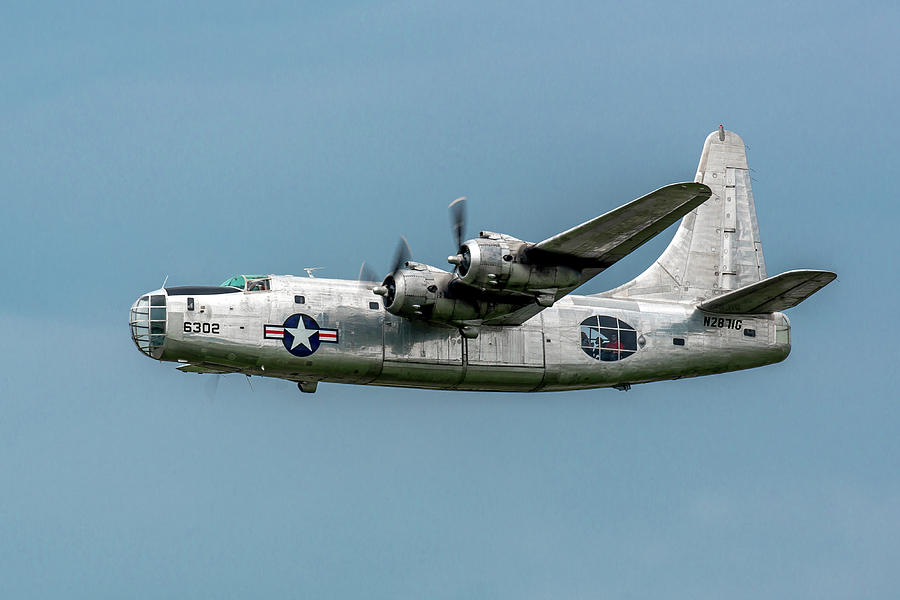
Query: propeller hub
[[390, 290]]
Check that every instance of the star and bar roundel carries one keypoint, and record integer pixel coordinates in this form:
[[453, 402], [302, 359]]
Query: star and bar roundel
[[300, 334]]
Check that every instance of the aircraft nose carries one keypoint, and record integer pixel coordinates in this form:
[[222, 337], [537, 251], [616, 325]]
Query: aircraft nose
[[147, 320]]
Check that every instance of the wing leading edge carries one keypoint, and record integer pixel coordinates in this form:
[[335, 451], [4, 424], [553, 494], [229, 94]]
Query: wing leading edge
[[599, 243], [605, 240]]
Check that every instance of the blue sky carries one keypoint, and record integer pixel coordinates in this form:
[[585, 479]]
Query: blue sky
[[200, 141]]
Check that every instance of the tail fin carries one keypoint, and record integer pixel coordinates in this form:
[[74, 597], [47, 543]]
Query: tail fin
[[717, 247]]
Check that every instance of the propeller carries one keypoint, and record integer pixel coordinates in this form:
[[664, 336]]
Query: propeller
[[402, 254], [367, 276], [211, 386], [458, 219], [458, 224]]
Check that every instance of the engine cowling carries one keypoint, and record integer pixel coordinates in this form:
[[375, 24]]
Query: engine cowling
[[496, 262], [422, 291], [408, 291]]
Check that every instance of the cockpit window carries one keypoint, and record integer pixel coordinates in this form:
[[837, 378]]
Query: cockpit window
[[249, 283], [237, 281], [607, 338], [257, 285]]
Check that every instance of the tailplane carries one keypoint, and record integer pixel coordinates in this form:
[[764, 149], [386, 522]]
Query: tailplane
[[717, 248], [774, 294]]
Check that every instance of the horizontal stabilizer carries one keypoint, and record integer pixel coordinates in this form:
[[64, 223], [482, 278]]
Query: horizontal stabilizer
[[770, 295], [207, 368]]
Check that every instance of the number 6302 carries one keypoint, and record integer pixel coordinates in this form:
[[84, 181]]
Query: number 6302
[[201, 327]]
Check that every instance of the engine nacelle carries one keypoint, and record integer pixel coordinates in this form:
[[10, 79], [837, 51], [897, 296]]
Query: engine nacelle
[[422, 291], [409, 291], [496, 262]]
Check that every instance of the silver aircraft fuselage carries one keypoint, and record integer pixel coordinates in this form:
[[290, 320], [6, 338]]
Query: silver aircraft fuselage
[[505, 318], [349, 337]]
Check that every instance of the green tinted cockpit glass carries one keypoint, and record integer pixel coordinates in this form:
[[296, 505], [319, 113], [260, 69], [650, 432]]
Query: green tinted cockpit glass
[[240, 281], [236, 281]]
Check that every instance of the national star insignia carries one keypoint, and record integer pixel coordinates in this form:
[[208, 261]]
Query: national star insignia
[[301, 335]]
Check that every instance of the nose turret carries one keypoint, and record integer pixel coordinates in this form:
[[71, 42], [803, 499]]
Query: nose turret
[[148, 323]]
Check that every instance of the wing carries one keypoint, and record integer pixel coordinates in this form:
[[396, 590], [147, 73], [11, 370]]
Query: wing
[[605, 240], [769, 295], [599, 243]]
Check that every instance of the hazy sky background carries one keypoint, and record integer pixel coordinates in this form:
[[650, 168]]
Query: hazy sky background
[[198, 142]]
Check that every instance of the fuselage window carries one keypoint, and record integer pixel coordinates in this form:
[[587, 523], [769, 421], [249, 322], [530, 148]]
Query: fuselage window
[[373, 305], [750, 332], [148, 324], [299, 300], [607, 338], [190, 304], [678, 341]]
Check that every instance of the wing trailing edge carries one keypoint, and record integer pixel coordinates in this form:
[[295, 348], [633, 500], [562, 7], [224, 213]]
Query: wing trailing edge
[[770, 295]]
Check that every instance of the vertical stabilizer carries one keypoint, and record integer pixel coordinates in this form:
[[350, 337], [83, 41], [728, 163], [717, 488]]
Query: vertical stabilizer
[[716, 248]]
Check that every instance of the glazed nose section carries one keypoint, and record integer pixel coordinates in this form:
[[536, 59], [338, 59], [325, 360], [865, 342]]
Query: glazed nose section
[[147, 320]]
